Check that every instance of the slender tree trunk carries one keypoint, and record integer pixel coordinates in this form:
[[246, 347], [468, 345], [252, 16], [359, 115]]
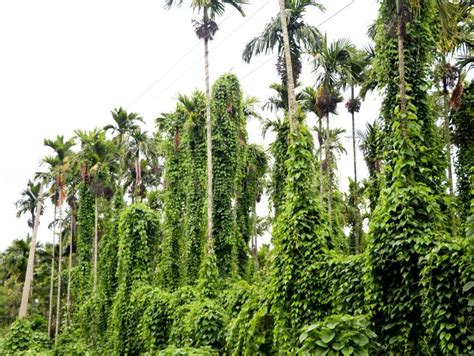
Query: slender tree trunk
[[289, 69], [95, 247], [51, 282], [31, 257], [328, 170], [60, 260], [356, 191], [401, 63], [254, 234], [447, 140], [354, 139], [69, 267], [209, 141], [321, 184]]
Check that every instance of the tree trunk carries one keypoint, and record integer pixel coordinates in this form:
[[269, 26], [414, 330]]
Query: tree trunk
[[31, 257], [447, 141], [328, 170], [51, 282], [69, 268], [354, 139], [60, 260], [254, 235], [356, 190], [289, 69], [95, 247], [401, 64], [321, 184], [209, 141]]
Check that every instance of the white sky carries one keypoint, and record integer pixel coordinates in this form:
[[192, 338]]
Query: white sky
[[66, 64]]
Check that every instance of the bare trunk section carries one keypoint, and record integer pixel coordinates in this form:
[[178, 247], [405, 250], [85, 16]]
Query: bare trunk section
[[51, 283], [328, 170], [254, 235], [69, 268], [209, 141], [321, 184], [31, 258], [356, 191], [353, 138], [401, 64], [60, 260], [95, 246], [447, 141], [289, 69]]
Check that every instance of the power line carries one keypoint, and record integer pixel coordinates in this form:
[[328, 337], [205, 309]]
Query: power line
[[320, 24], [336, 13], [176, 63], [247, 19], [219, 44]]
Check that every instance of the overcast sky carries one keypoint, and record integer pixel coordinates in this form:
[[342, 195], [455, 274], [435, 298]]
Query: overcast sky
[[66, 64]]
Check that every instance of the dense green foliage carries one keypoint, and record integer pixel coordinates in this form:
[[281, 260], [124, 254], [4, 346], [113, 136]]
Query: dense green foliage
[[85, 233], [194, 142], [338, 335], [138, 235], [227, 110], [145, 279], [463, 138]]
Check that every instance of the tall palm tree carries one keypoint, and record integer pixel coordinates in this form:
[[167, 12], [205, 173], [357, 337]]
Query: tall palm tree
[[140, 144], [59, 167], [353, 78], [124, 125], [301, 37], [333, 62], [32, 203], [205, 30]]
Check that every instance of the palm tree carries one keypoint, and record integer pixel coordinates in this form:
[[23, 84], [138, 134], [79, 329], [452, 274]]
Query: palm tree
[[124, 125], [355, 77], [333, 62], [205, 30], [32, 196], [140, 144], [58, 169], [301, 37]]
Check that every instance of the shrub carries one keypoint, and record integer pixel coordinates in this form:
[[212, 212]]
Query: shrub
[[338, 335]]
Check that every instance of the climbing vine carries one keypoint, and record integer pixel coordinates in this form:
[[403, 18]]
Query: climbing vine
[[227, 111], [85, 233], [463, 138], [408, 218], [299, 241], [194, 142], [138, 234], [170, 270]]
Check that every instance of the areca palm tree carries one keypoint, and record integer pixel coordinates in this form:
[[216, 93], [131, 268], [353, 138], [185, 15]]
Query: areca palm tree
[[140, 144], [301, 37], [205, 30], [32, 203], [125, 124], [58, 170], [333, 64]]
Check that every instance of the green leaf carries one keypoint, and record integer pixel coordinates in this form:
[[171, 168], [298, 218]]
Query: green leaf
[[327, 336], [349, 350], [468, 286]]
